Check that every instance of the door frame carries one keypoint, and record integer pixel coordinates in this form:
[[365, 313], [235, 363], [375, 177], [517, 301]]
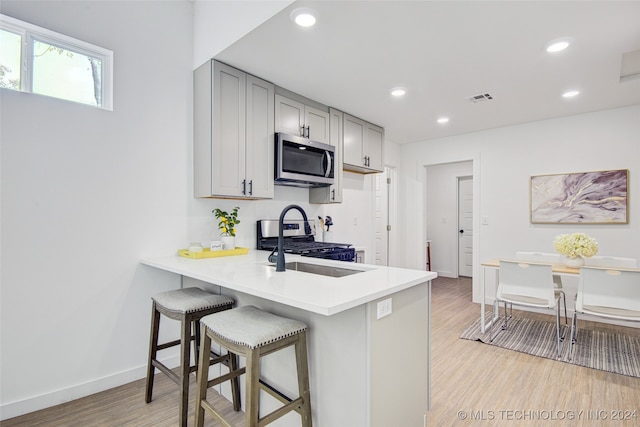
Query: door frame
[[388, 210], [475, 160]]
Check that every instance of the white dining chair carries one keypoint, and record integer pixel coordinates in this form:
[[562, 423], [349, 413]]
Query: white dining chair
[[546, 258], [606, 292], [542, 257], [530, 285], [611, 261]]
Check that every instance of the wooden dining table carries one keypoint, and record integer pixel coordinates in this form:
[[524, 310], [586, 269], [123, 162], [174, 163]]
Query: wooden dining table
[[494, 264]]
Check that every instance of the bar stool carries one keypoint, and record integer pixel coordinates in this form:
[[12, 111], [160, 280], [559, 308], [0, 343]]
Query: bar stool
[[253, 333], [188, 305]]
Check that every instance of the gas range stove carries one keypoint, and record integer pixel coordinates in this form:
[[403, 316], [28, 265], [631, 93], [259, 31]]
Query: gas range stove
[[299, 239]]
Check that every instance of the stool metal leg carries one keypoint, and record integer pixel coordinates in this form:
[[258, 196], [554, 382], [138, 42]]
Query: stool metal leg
[[574, 333], [153, 352]]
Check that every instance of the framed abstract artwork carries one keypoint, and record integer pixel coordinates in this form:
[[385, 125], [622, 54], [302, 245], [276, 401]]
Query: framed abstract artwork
[[580, 198]]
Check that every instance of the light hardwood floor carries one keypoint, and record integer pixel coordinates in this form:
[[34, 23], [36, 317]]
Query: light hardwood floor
[[493, 386], [487, 385]]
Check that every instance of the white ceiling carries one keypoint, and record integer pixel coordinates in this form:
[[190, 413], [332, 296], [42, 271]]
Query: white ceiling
[[443, 53]]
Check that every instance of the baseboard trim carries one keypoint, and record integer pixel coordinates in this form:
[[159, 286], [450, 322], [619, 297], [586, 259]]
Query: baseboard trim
[[47, 400]]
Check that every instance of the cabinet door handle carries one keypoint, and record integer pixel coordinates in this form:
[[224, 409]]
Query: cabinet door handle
[[251, 188], [302, 130], [244, 187], [333, 195], [308, 132]]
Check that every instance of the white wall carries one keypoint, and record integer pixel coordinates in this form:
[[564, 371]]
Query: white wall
[[503, 161], [353, 219], [86, 193], [218, 24]]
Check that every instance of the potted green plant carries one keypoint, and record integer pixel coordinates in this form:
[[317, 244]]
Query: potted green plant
[[227, 222]]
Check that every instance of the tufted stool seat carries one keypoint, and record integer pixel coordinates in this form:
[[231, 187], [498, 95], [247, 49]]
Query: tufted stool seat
[[253, 333], [187, 305]]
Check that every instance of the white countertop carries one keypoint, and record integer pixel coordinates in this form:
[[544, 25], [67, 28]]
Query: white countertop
[[252, 274]]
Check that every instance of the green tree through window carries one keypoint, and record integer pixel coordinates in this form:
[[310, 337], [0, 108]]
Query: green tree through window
[[34, 59], [10, 59]]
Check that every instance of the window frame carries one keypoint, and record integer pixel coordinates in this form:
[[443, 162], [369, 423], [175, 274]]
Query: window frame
[[30, 32]]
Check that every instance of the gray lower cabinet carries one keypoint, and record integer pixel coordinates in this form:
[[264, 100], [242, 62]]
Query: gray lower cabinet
[[363, 146], [233, 133]]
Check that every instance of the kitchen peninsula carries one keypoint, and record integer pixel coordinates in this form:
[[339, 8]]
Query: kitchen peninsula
[[369, 362]]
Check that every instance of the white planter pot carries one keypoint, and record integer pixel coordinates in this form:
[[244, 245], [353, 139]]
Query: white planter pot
[[576, 262], [228, 243]]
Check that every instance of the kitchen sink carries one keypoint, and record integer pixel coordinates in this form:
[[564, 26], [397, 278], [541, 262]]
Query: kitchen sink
[[323, 270]]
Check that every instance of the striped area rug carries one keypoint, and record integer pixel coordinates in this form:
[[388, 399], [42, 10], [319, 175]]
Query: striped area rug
[[605, 351]]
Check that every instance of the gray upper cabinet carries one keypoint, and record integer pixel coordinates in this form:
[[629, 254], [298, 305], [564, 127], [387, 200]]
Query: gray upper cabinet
[[363, 146], [296, 118], [332, 193], [233, 133]]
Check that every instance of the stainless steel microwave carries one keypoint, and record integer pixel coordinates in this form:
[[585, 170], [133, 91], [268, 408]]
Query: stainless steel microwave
[[301, 162]]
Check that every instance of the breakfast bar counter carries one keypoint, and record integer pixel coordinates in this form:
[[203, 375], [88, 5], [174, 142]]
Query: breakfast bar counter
[[252, 274], [368, 336]]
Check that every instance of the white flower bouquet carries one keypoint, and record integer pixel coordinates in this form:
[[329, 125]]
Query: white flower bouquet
[[575, 245]]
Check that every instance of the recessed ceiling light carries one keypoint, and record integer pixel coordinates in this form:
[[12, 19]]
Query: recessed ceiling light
[[571, 94], [304, 17], [558, 45], [443, 120], [398, 91]]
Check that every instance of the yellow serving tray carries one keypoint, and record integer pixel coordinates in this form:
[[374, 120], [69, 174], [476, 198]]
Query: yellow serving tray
[[207, 253]]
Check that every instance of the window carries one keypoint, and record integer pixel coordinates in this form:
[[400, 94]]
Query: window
[[36, 60]]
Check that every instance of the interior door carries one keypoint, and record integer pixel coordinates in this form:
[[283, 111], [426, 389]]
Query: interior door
[[465, 226]]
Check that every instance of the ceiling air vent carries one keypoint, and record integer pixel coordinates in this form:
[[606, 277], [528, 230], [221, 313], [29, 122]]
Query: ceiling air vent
[[480, 98]]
